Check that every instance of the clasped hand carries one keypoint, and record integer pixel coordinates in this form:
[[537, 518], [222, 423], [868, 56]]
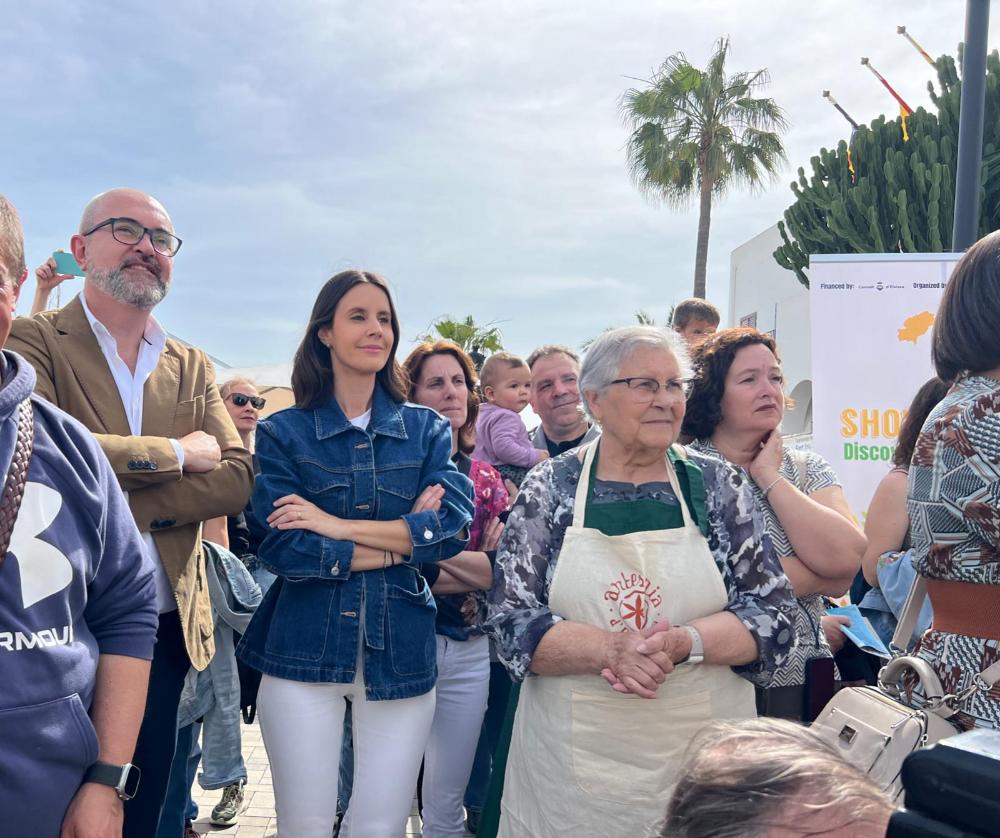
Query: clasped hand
[[641, 661]]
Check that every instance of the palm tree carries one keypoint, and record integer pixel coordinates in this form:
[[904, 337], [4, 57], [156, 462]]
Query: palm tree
[[701, 131], [478, 341]]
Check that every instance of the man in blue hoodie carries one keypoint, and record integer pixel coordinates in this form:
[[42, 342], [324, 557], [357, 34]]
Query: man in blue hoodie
[[78, 613]]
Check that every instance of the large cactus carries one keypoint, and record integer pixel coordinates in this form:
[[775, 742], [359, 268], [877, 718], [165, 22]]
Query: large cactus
[[902, 195]]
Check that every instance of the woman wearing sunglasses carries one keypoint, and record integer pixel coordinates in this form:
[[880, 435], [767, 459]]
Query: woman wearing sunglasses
[[358, 489]]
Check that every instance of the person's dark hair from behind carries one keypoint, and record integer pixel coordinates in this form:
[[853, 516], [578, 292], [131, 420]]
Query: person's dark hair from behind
[[694, 308], [929, 394], [744, 779], [711, 361], [966, 333], [312, 369]]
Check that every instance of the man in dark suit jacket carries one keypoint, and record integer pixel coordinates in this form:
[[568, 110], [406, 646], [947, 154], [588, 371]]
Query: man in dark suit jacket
[[154, 408]]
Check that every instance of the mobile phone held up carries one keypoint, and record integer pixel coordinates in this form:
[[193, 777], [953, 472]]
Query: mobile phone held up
[[66, 264]]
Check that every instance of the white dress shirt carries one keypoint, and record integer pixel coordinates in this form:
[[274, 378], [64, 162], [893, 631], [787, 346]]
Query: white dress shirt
[[130, 388]]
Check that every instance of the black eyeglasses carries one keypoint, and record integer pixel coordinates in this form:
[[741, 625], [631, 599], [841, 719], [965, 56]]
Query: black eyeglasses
[[644, 389], [241, 399], [130, 231]]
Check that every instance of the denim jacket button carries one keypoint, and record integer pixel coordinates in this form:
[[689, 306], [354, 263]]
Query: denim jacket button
[[428, 535], [335, 569]]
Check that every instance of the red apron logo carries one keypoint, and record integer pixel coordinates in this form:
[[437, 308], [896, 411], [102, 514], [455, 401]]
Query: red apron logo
[[633, 601]]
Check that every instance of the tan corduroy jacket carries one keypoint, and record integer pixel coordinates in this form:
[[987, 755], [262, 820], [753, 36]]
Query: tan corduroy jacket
[[179, 397]]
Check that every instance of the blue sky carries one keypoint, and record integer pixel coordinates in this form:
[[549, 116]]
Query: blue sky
[[469, 151]]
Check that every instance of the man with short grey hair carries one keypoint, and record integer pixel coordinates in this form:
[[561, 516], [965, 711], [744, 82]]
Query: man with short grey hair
[[555, 398], [771, 778]]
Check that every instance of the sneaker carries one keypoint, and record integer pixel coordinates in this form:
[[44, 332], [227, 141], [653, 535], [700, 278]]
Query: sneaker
[[227, 810]]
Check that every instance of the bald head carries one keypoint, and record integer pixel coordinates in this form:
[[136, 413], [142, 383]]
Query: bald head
[[97, 210]]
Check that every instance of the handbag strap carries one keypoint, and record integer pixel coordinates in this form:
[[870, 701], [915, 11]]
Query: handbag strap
[[17, 475], [908, 622]]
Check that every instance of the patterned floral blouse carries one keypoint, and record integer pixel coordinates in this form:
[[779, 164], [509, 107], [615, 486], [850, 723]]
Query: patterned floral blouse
[[954, 504], [461, 616], [808, 472], [759, 593]]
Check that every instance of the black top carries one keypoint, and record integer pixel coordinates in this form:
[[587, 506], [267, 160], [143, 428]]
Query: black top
[[556, 448]]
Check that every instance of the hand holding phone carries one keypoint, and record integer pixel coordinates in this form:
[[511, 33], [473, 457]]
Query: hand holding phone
[[65, 264]]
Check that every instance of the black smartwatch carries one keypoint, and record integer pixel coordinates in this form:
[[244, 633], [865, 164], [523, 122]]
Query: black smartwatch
[[124, 779]]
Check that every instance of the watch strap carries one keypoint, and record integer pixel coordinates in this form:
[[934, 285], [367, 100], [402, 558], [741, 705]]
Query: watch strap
[[697, 654], [116, 776]]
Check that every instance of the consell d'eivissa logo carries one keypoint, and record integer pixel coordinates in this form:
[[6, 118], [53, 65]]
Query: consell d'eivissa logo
[[870, 433]]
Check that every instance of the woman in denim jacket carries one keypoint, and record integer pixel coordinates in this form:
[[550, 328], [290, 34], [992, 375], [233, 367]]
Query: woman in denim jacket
[[357, 488]]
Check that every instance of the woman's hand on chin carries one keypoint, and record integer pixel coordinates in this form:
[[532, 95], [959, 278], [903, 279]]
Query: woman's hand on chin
[[765, 467], [292, 512]]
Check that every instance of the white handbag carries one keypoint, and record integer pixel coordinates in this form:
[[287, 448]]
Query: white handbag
[[874, 729]]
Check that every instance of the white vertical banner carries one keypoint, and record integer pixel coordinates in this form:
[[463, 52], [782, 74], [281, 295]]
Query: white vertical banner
[[872, 318]]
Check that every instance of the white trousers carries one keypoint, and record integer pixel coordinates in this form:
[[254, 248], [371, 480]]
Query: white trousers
[[302, 726], [463, 687]]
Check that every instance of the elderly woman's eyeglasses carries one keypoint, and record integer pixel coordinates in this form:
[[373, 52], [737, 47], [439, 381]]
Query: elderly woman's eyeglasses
[[241, 399], [645, 389], [130, 231]]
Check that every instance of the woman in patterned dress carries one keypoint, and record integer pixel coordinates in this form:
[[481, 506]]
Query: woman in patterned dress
[[443, 377], [734, 411], [954, 487], [634, 560]]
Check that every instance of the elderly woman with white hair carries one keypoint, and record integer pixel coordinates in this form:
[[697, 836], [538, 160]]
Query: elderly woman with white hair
[[637, 591]]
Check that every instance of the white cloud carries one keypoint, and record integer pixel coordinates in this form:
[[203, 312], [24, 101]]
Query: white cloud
[[470, 150]]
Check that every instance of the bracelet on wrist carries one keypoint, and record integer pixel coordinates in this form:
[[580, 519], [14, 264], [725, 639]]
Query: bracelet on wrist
[[773, 483]]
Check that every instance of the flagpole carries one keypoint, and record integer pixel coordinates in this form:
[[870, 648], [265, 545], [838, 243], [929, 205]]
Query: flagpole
[[843, 113], [901, 30], [970, 125], [888, 86]]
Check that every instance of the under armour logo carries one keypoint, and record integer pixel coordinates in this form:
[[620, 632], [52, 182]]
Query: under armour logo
[[44, 569]]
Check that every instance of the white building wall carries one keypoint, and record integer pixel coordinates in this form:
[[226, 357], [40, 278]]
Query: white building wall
[[759, 287]]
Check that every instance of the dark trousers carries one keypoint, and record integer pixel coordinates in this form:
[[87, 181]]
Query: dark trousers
[[158, 735], [496, 710]]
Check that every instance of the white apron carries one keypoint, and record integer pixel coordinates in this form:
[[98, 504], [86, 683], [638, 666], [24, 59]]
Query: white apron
[[588, 761]]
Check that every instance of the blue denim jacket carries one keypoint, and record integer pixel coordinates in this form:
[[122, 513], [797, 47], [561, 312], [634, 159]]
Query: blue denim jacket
[[307, 627]]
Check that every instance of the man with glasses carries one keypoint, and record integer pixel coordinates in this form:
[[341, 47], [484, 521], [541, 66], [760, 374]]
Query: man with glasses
[[77, 607], [155, 410]]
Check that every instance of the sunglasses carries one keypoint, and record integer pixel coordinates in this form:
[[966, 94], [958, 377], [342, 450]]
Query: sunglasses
[[241, 399]]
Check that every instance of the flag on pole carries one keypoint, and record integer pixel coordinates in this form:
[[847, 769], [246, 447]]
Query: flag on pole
[[854, 127], [904, 109]]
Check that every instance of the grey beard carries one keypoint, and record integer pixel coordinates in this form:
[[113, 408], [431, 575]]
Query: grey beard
[[115, 284]]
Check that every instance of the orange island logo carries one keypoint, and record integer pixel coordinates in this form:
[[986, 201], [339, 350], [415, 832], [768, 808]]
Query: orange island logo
[[915, 327], [634, 600]]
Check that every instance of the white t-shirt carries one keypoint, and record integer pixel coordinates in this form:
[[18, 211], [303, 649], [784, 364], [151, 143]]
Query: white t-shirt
[[362, 420]]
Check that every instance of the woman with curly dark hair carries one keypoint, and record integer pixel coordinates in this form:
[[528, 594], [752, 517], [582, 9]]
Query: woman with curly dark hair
[[734, 411]]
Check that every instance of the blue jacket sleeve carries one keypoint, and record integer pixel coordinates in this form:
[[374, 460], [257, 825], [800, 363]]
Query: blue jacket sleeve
[[292, 554], [442, 534], [121, 609]]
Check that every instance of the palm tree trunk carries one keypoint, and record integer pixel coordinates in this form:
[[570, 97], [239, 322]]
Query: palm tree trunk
[[704, 222]]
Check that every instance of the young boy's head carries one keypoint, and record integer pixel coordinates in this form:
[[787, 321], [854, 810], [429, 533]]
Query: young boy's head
[[695, 319], [506, 381]]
